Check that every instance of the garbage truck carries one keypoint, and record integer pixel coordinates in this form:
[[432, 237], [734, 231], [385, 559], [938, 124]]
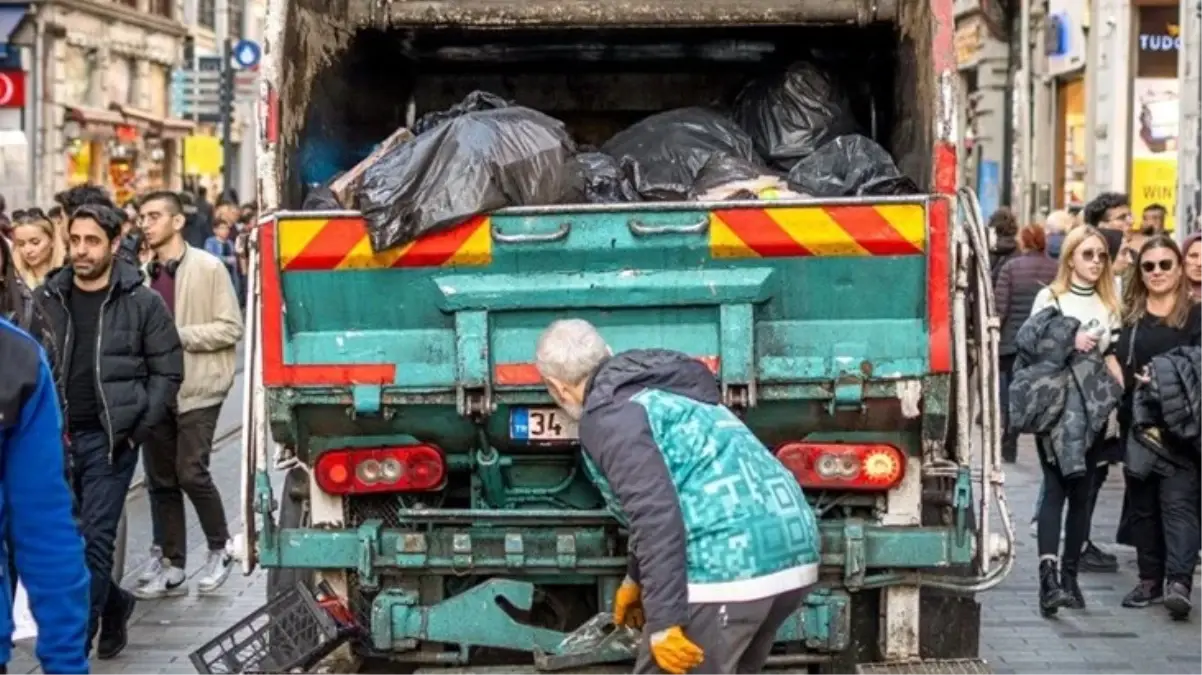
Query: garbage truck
[[401, 455]]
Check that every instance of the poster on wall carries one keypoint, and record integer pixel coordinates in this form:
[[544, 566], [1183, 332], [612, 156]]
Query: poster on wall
[[1155, 116]]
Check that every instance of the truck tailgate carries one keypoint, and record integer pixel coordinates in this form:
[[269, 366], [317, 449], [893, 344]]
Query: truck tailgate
[[767, 293]]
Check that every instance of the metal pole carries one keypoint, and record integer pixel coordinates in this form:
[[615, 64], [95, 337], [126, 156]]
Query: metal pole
[[227, 114]]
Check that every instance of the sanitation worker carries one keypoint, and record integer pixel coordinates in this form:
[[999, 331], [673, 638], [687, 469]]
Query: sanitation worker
[[723, 543]]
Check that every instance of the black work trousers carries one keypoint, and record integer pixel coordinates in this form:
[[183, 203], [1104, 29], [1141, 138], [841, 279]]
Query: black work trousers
[[1160, 519], [1009, 440], [1060, 491], [176, 457]]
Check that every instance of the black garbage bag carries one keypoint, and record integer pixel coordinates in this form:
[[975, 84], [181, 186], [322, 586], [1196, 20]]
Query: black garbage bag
[[602, 180], [664, 156], [321, 197], [477, 100], [848, 166], [789, 115], [475, 163]]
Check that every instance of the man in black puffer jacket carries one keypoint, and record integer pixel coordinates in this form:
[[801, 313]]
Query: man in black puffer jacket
[[120, 369]]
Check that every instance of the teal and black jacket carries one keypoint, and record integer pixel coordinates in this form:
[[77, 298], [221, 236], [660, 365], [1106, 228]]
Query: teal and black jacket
[[713, 516]]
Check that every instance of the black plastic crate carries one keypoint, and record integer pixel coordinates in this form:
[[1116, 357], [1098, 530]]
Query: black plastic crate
[[291, 633]]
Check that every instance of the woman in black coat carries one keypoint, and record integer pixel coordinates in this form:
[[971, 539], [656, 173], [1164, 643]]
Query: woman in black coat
[[1019, 280], [1160, 512]]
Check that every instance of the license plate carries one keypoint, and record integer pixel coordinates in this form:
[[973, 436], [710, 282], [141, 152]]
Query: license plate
[[541, 424]]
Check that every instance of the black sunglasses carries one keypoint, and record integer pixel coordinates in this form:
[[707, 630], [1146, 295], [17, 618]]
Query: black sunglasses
[[32, 214], [1149, 266]]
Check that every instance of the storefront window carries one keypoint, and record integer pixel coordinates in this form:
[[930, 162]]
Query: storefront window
[[1155, 111], [1072, 139]]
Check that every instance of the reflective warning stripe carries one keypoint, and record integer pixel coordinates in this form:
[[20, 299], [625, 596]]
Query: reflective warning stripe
[[325, 244], [880, 230]]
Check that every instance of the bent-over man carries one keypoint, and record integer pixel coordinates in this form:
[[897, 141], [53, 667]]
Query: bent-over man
[[724, 544]]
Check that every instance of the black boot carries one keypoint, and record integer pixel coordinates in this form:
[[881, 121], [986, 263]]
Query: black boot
[[1072, 589], [1051, 596]]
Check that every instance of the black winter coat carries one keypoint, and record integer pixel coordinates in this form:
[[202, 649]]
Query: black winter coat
[[1058, 392], [1018, 282], [1165, 414], [139, 359]]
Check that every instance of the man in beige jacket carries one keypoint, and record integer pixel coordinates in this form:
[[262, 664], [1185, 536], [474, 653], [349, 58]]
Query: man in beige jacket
[[200, 294]]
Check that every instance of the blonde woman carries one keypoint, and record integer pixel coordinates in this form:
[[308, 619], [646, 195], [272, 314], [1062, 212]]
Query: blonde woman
[[37, 247], [1084, 290], [1160, 508]]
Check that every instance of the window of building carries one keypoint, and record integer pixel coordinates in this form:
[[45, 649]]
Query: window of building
[[237, 18], [206, 13], [163, 8]]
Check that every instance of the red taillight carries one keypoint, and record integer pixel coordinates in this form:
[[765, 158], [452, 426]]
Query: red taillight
[[843, 466], [407, 468]]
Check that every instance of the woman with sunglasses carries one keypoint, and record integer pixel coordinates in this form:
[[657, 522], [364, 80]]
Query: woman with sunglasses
[[1083, 290], [1160, 513]]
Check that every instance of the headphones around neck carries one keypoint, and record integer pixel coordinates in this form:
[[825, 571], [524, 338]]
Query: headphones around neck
[[156, 268]]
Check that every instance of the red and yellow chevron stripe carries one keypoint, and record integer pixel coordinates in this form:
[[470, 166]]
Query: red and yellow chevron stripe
[[325, 244], [795, 231]]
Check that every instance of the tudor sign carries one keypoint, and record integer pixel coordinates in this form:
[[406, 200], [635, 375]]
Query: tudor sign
[[12, 89]]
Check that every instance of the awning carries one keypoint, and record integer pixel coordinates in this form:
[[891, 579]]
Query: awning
[[94, 121], [142, 120], [10, 17], [150, 124], [173, 127]]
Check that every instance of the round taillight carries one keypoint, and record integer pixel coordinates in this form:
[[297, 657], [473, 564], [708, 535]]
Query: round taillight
[[881, 467], [390, 470], [368, 471], [338, 474]]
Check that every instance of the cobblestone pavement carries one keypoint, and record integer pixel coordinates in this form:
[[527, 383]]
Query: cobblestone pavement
[[1103, 638]]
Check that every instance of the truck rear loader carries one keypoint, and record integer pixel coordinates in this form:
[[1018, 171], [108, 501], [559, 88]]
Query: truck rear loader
[[432, 485]]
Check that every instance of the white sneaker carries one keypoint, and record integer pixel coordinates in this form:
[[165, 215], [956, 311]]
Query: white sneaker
[[169, 583], [217, 569], [154, 568]]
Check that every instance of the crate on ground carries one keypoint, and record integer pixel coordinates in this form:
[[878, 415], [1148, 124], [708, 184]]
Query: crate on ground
[[290, 634]]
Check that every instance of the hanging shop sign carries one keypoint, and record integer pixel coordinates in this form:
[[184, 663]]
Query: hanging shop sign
[[968, 41]]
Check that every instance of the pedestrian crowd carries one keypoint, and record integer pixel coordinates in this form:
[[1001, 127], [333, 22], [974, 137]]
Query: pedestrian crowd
[[1099, 359], [118, 335]]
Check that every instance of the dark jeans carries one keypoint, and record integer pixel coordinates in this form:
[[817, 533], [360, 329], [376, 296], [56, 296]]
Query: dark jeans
[[1009, 440], [176, 457], [101, 486], [1161, 520], [1100, 474], [1059, 491]]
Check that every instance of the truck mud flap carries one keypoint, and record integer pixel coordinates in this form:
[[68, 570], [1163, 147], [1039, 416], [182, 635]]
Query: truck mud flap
[[931, 666]]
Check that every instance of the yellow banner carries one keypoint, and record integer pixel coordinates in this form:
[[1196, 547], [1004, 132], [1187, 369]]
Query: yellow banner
[[202, 156], [1154, 181]]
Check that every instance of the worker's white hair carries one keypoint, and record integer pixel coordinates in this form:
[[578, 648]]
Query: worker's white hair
[[1058, 221], [570, 350]]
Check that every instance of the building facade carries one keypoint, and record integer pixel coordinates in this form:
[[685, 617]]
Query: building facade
[[97, 109], [986, 64], [1106, 103]]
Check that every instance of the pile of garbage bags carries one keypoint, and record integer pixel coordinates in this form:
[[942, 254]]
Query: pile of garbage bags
[[788, 135]]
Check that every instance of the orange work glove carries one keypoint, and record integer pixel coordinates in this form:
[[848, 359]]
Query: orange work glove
[[674, 652], [628, 605]]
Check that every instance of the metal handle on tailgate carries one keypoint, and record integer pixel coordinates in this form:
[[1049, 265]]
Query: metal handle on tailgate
[[639, 229], [559, 233]]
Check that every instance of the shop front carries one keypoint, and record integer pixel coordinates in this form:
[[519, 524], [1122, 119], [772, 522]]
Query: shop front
[[1155, 109], [1065, 55], [127, 150]]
